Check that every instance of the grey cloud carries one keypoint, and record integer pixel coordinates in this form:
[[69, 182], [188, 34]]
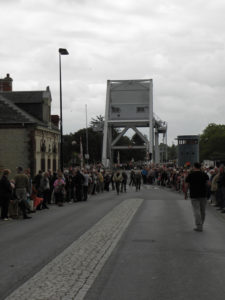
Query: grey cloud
[[10, 2], [178, 44]]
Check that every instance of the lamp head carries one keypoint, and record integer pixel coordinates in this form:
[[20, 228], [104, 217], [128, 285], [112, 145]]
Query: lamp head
[[63, 51]]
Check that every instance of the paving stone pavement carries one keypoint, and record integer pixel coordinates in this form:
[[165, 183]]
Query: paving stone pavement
[[70, 275]]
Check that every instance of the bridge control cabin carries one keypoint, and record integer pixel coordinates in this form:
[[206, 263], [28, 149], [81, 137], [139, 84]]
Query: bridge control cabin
[[129, 105], [129, 100], [188, 149]]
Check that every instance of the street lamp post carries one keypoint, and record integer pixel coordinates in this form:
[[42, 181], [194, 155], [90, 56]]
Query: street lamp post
[[87, 154], [74, 158], [61, 52]]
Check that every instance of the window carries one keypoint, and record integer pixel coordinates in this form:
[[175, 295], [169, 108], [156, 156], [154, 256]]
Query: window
[[54, 165], [115, 109], [192, 142], [54, 148], [43, 146], [43, 164], [49, 164], [140, 109], [187, 141]]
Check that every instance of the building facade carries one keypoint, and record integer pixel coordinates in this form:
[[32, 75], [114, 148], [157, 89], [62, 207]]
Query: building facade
[[29, 135], [188, 149]]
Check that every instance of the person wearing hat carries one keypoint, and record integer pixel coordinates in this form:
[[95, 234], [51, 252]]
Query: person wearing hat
[[5, 194]]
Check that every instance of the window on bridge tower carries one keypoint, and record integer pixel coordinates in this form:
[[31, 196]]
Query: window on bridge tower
[[140, 109], [115, 109]]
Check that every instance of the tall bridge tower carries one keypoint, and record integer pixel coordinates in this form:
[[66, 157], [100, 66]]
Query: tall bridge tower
[[129, 104]]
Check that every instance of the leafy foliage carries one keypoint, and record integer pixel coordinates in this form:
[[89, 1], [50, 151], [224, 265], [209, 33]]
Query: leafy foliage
[[97, 120], [212, 143], [72, 146], [172, 152]]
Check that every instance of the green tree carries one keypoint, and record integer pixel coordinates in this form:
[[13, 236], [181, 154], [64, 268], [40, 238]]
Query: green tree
[[68, 149], [212, 142], [94, 143], [172, 152], [71, 146], [98, 120]]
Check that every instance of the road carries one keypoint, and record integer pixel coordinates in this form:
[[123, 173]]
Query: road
[[138, 245]]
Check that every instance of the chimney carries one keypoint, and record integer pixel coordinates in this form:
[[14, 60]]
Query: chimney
[[6, 84]]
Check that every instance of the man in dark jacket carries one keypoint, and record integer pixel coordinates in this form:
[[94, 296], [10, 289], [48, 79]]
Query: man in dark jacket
[[197, 182], [5, 194], [137, 180]]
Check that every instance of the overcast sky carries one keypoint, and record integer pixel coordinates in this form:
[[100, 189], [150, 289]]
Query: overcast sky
[[177, 43]]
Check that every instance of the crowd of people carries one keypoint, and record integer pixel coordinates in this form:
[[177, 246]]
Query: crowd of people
[[23, 195], [174, 178]]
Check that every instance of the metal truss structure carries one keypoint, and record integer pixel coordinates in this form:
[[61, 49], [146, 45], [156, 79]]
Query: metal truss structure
[[129, 105]]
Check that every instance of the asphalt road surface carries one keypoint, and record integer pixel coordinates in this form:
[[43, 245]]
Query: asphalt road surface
[[154, 253]]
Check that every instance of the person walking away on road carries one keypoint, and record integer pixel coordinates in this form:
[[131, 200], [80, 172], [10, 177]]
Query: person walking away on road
[[164, 177], [107, 180], [152, 175], [112, 181], [137, 180], [117, 178], [124, 182], [101, 182], [132, 177], [144, 174], [5, 194], [197, 182]]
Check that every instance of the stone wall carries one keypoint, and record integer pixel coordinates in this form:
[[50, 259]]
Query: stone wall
[[14, 143], [22, 147]]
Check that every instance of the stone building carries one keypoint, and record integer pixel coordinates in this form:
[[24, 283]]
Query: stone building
[[29, 135]]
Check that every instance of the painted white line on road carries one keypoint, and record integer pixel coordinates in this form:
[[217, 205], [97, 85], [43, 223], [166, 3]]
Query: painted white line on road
[[70, 275]]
